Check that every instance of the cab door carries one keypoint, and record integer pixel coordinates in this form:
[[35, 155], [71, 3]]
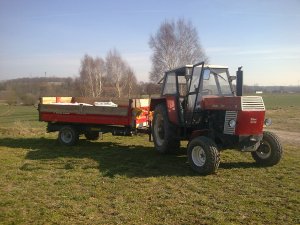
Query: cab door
[[193, 105], [170, 94]]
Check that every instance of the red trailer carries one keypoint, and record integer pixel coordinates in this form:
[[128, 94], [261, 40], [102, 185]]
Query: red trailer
[[73, 116]]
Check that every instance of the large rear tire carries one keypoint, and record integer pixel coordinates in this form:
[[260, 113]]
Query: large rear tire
[[203, 155], [68, 135], [270, 151], [164, 132]]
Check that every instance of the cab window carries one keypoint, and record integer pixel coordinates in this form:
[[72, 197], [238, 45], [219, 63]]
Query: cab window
[[170, 84]]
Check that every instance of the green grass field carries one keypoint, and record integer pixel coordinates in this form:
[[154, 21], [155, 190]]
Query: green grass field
[[122, 180], [284, 109]]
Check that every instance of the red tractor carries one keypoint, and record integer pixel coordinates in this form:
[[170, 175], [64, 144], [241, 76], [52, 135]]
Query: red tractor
[[200, 104]]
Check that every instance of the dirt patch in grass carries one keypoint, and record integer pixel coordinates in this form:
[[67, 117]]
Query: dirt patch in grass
[[288, 137], [285, 119]]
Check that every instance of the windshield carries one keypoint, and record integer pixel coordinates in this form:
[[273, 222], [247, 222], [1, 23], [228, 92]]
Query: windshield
[[215, 82]]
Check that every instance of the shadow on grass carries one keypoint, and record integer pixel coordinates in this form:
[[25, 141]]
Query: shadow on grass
[[112, 158], [238, 165]]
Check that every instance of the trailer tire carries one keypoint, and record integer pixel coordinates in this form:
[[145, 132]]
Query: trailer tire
[[270, 150], [68, 135], [203, 155], [92, 135], [164, 133]]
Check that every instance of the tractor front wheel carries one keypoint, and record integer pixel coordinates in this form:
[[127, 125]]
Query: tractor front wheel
[[269, 152], [203, 155]]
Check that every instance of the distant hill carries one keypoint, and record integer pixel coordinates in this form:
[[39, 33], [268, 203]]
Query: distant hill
[[28, 90]]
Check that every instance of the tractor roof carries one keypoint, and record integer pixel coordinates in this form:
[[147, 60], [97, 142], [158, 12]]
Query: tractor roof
[[184, 69], [191, 66], [187, 69]]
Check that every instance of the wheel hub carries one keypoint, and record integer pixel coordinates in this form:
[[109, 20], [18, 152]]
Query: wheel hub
[[264, 150], [198, 156], [159, 130], [66, 136]]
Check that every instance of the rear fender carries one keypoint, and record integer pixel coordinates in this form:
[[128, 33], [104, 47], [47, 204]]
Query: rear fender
[[171, 104], [155, 101]]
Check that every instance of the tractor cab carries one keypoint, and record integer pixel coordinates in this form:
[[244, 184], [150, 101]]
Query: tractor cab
[[191, 83]]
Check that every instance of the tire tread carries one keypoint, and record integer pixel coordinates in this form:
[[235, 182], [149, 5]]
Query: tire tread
[[276, 155], [212, 153]]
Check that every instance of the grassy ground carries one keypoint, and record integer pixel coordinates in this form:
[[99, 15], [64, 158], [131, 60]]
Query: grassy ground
[[122, 180]]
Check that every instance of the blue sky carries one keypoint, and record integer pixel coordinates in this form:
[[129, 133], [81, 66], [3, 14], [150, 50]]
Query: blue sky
[[53, 35]]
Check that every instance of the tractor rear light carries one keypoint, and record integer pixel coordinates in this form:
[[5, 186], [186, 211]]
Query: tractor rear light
[[231, 123], [268, 122]]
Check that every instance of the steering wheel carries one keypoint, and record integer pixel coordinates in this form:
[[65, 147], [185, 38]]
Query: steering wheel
[[207, 91]]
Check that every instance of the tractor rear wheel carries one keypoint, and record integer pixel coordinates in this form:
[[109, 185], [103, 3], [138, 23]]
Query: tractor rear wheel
[[68, 135], [269, 152], [203, 155], [164, 132]]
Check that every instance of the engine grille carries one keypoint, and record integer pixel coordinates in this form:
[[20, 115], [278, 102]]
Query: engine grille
[[230, 115], [252, 103]]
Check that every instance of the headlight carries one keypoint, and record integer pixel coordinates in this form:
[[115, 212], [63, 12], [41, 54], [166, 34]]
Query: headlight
[[232, 123], [268, 122]]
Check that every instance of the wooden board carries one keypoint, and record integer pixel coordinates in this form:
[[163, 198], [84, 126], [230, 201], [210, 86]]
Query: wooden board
[[49, 100], [139, 103]]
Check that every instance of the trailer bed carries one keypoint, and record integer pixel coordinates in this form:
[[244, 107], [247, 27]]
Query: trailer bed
[[130, 113]]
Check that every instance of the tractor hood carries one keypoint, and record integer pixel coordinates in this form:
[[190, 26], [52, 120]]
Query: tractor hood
[[233, 103]]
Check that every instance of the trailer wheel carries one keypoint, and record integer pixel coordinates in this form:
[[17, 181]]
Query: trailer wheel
[[269, 152], [203, 155], [92, 135], [68, 135], [163, 132]]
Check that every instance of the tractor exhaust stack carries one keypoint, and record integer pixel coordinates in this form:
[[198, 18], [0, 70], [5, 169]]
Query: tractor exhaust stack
[[239, 82]]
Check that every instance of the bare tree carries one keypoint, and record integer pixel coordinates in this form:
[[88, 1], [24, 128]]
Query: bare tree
[[86, 76], [119, 73], [175, 44], [91, 75], [149, 89], [115, 69], [130, 82], [100, 72]]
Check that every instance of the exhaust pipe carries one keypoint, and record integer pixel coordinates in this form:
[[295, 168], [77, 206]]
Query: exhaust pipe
[[239, 82]]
